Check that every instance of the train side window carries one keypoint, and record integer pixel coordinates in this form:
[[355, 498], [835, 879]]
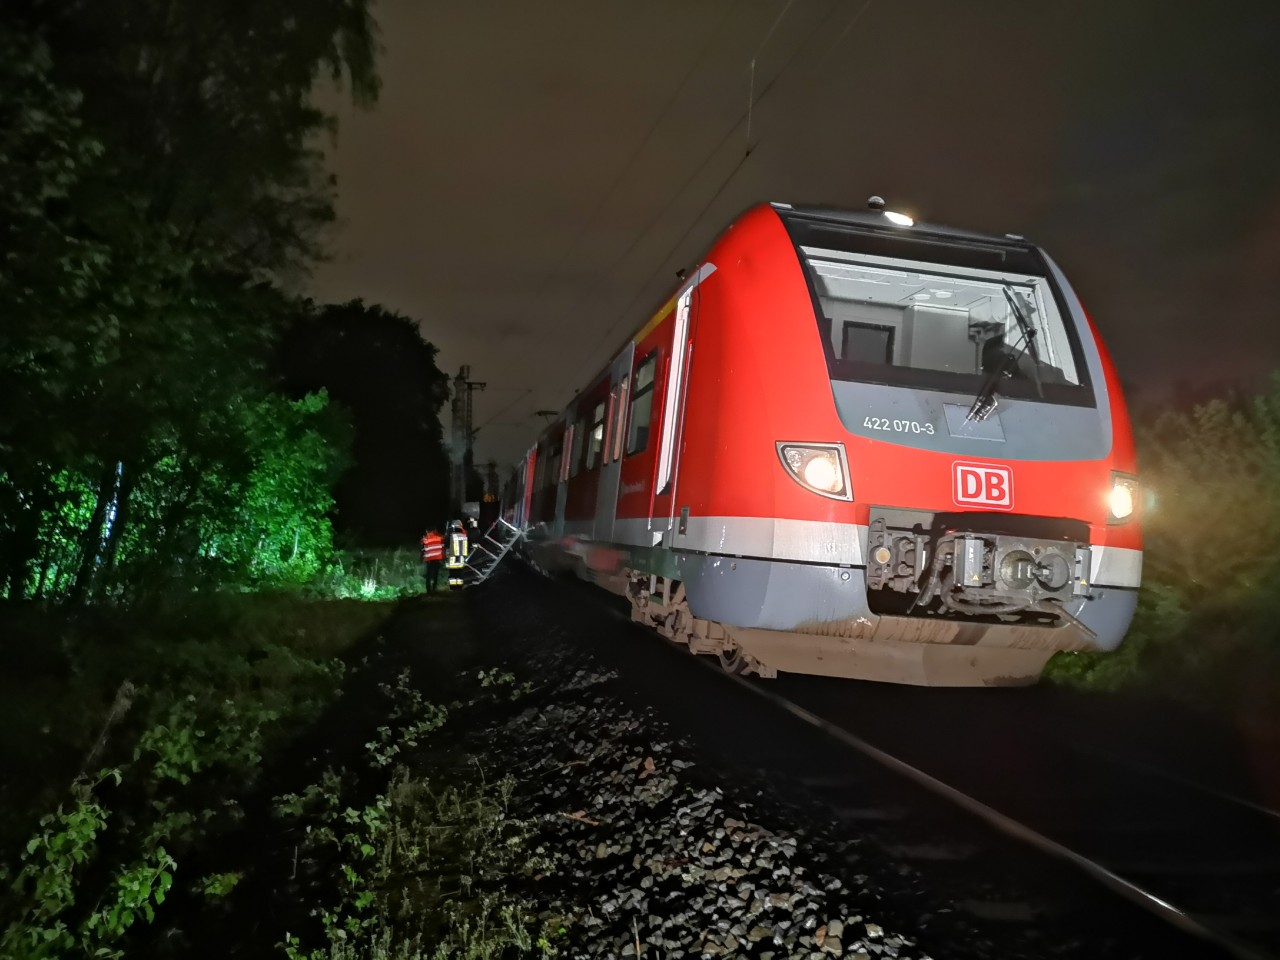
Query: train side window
[[553, 464], [595, 440], [567, 457], [575, 455], [641, 405]]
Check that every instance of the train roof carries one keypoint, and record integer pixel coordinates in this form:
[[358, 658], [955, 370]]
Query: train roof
[[875, 220], [871, 219]]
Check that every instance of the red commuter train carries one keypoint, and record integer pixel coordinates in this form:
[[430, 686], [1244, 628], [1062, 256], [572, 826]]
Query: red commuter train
[[856, 446]]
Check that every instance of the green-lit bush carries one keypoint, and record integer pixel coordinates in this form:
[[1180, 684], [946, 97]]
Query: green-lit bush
[[279, 531], [251, 508], [372, 575]]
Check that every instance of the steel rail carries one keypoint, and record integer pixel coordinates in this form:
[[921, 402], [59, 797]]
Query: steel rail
[[1005, 824]]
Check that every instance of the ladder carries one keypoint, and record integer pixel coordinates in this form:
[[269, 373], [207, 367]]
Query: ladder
[[489, 550]]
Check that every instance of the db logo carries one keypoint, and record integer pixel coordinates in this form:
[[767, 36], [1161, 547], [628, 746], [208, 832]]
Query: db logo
[[982, 485]]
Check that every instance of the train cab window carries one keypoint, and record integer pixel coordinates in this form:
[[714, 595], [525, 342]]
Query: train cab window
[[641, 405], [907, 324], [936, 311], [595, 437]]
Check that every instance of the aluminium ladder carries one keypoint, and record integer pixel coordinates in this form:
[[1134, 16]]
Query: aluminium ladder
[[482, 560]]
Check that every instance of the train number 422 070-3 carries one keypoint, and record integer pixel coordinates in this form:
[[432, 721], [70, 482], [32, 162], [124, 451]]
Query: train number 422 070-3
[[898, 426]]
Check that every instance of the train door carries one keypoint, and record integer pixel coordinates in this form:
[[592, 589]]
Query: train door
[[662, 510], [615, 429]]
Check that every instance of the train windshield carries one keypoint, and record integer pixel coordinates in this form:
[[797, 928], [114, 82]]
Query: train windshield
[[942, 323]]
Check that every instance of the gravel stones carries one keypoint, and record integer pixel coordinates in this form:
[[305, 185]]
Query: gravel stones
[[705, 848], [648, 856]]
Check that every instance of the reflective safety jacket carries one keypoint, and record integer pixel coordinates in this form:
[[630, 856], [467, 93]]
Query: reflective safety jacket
[[432, 547], [458, 549]]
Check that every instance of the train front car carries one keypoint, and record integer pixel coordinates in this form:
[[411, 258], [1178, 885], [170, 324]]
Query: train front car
[[897, 452]]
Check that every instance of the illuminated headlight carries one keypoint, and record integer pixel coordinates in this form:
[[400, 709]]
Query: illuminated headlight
[[820, 467], [1123, 499]]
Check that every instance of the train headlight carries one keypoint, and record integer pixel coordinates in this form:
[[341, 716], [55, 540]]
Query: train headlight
[[1122, 502], [823, 473], [820, 467]]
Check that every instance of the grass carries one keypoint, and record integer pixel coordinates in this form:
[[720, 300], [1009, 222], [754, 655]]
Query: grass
[[373, 575]]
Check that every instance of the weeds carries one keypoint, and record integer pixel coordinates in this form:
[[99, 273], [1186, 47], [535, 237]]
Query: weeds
[[421, 870], [47, 887], [372, 575]]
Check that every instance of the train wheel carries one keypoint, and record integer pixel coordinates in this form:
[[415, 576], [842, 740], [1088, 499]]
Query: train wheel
[[734, 661]]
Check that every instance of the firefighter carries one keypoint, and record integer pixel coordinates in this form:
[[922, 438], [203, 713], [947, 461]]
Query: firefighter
[[432, 554], [456, 558]]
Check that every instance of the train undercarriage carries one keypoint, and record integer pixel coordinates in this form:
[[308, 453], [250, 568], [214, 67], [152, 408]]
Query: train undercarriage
[[883, 647]]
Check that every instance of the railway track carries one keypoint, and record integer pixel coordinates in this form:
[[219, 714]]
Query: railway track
[[1199, 858], [1082, 833]]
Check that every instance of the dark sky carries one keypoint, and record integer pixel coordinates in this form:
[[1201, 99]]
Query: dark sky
[[535, 172]]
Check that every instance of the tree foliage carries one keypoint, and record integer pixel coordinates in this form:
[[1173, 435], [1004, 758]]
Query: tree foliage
[[206, 115], [377, 366], [158, 169]]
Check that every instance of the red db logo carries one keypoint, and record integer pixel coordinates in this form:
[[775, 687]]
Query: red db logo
[[982, 485]]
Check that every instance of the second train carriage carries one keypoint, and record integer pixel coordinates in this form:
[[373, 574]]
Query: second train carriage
[[855, 446]]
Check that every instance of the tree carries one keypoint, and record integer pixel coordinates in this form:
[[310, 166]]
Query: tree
[[48, 273], [376, 364], [205, 111], [158, 168]]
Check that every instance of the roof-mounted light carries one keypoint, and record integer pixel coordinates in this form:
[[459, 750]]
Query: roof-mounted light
[[898, 219]]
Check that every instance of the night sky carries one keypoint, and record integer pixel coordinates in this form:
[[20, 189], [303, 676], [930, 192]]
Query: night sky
[[535, 172]]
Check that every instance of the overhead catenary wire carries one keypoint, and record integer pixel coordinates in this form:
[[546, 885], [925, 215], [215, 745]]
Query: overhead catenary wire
[[631, 159], [538, 297], [505, 408], [753, 99], [738, 166], [589, 366], [751, 82]]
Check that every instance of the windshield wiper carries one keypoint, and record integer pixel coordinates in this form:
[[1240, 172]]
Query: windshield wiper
[[1028, 337], [985, 402]]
